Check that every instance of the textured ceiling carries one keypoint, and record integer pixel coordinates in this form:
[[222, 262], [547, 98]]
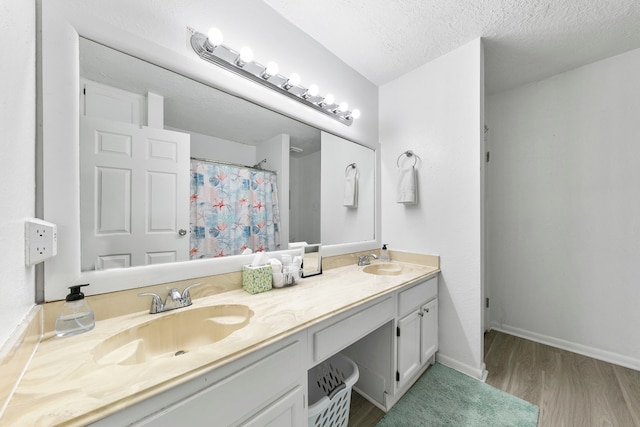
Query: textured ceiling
[[525, 40]]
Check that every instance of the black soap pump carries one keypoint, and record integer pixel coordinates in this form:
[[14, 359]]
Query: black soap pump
[[384, 253], [76, 315]]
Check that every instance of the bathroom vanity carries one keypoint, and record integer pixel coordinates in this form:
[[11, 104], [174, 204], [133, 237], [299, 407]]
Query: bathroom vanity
[[255, 375]]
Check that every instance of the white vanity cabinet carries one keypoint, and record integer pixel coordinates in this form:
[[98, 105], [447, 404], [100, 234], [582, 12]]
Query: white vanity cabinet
[[392, 357], [329, 337], [416, 330], [429, 328], [392, 339], [264, 388]]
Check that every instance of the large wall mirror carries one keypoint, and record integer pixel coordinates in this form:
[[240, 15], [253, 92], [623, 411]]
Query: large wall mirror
[[121, 91]]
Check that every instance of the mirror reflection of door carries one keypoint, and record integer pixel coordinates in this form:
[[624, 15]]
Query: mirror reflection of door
[[132, 179]]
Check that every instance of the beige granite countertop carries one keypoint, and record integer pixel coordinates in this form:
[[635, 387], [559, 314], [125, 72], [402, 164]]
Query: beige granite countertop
[[64, 385]]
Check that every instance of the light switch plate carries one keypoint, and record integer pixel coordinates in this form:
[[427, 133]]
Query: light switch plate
[[41, 241]]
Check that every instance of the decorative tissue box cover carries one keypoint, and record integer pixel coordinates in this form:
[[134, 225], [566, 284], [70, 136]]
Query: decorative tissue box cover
[[257, 279]]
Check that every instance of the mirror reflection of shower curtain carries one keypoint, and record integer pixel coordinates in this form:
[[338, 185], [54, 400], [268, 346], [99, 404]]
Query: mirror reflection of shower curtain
[[232, 208]]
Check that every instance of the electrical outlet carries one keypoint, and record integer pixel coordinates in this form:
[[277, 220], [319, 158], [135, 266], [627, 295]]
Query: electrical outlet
[[41, 241]]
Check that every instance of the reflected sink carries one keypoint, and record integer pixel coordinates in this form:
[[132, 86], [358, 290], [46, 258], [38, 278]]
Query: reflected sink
[[383, 269], [172, 334]]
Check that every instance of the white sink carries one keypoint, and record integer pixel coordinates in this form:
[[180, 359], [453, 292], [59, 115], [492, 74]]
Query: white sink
[[173, 334], [384, 269]]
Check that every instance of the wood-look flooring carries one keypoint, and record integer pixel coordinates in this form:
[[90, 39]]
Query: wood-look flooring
[[570, 389]]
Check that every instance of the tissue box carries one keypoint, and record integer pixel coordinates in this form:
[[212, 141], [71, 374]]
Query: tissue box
[[256, 279]]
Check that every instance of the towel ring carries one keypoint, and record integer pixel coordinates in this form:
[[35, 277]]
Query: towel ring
[[346, 170], [409, 154]]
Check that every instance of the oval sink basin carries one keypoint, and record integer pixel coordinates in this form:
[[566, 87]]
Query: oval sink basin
[[172, 334], [383, 269]]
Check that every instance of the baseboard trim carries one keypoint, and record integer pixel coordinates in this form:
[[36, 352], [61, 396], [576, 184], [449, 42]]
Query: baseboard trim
[[596, 353], [479, 374]]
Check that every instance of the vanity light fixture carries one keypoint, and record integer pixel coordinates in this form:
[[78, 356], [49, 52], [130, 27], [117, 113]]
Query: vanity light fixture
[[209, 47], [343, 107], [214, 39], [327, 100], [354, 114], [246, 55], [270, 70], [293, 80], [312, 91]]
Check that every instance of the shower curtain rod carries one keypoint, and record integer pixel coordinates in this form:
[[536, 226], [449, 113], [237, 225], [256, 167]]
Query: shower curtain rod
[[233, 164]]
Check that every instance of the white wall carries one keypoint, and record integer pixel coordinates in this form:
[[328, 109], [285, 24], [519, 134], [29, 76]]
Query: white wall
[[305, 189], [564, 210], [339, 223], [276, 151], [213, 148], [436, 111], [17, 162]]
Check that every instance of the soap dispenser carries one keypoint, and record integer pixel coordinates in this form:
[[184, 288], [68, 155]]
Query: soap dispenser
[[76, 315], [384, 253]]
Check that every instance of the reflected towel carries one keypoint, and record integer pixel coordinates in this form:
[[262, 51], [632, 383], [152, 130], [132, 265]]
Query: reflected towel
[[407, 193], [350, 192]]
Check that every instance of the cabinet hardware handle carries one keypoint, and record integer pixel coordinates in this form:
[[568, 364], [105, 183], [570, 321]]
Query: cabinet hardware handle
[[426, 310], [421, 314], [182, 232]]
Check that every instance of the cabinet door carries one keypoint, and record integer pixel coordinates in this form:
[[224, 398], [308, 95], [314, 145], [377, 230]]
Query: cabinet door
[[285, 412], [247, 391], [429, 341], [408, 346]]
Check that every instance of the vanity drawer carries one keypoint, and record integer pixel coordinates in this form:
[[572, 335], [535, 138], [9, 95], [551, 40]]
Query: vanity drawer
[[331, 339], [244, 392], [417, 295]]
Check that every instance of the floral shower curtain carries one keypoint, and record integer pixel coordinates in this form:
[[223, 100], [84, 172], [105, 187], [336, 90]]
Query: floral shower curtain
[[232, 208]]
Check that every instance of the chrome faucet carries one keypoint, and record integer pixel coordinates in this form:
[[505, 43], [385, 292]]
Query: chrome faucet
[[174, 299], [366, 259]]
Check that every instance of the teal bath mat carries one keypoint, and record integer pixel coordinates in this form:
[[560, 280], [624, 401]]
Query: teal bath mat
[[445, 397]]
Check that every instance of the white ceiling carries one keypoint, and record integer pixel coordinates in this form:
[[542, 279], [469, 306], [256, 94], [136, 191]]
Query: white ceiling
[[525, 40]]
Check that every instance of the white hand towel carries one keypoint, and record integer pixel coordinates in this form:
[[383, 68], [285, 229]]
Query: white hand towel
[[350, 192], [407, 188]]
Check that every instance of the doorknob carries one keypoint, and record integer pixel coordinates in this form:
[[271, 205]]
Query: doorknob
[[182, 232]]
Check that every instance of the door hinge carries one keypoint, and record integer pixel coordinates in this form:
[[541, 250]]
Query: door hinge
[[397, 331], [486, 302], [84, 90], [488, 157], [397, 376]]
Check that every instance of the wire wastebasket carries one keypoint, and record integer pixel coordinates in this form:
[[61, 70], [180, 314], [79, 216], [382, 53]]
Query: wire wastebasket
[[330, 385]]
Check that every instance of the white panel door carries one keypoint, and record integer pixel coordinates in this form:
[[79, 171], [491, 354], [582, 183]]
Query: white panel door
[[134, 194], [408, 347], [107, 102], [429, 341]]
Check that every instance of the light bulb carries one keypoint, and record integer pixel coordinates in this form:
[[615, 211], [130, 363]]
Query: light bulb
[[214, 36], [355, 114], [294, 80], [328, 99], [343, 107], [246, 55], [271, 70], [312, 91]]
